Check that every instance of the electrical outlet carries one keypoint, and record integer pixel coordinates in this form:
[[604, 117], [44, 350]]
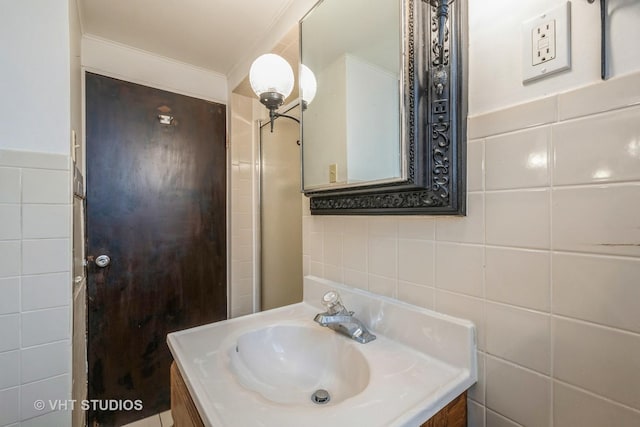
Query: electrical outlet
[[543, 40], [333, 172], [546, 43]]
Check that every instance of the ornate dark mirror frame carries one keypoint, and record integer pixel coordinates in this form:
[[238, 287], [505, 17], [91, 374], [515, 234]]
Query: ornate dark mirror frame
[[435, 116]]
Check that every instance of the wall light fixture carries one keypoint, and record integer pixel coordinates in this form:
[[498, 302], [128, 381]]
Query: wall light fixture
[[271, 78]]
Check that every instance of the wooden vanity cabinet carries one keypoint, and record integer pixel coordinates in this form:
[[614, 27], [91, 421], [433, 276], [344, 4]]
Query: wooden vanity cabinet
[[183, 410], [185, 414], [452, 415]]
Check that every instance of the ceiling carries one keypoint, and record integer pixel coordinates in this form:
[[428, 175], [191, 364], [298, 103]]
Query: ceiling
[[212, 34]]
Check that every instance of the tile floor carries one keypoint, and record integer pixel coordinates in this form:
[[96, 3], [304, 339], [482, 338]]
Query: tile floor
[[159, 420]]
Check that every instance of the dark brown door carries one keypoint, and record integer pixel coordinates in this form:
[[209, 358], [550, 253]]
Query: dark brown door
[[156, 206]]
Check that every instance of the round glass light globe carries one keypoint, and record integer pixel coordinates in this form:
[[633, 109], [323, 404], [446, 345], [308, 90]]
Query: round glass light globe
[[308, 84], [271, 73]]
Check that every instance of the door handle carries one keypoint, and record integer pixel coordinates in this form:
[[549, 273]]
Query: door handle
[[101, 260]]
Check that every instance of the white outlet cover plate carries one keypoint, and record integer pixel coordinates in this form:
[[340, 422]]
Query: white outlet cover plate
[[562, 61]]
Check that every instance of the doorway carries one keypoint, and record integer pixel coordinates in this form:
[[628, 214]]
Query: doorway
[[156, 217], [280, 213]]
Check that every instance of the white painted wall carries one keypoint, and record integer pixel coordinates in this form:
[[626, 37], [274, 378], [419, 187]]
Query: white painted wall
[[495, 49], [137, 66], [278, 30], [34, 47]]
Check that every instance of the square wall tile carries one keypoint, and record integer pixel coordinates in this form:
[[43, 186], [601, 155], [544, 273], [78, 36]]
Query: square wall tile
[[316, 246], [415, 261], [316, 269], [518, 218], [475, 414], [9, 369], [242, 306], [383, 256], [33, 159], [468, 280], [600, 219], [355, 278], [45, 326], [52, 419], [518, 277], [525, 115], [9, 332], [45, 186], [45, 361], [382, 286], [476, 392], [383, 226], [332, 249], [9, 406], [496, 420], [10, 225], [603, 290], [45, 256], [603, 148], [333, 224], [9, 295], [598, 359], [334, 273], [518, 394], [420, 228], [9, 258], [239, 253], [57, 388], [46, 221], [355, 225], [475, 165], [46, 291], [573, 407], [466, 229], [354, 254], [518, 160], [602, 96], [519, 336], [419, 295], [10, 186], [464, 307]]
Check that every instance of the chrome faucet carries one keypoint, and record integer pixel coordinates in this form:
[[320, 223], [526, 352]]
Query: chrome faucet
[[340, 320]]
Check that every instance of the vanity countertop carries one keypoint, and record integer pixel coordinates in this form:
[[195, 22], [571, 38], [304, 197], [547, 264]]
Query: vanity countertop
[[420, 361]]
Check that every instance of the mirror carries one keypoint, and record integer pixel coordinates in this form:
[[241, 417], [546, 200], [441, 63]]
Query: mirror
[[352, 128], [385, 133]]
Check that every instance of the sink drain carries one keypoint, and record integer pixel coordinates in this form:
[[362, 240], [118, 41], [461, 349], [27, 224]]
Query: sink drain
[[320, 397]]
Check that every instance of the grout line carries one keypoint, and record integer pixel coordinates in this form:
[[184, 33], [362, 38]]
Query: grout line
[[516, 365], [596, 325], [595, 395], [506, 418], [552, 160]]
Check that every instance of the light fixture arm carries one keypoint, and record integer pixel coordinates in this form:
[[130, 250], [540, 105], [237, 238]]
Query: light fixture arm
[[274, 115]]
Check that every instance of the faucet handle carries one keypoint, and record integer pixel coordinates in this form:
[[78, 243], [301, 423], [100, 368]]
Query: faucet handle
[[331, 300]]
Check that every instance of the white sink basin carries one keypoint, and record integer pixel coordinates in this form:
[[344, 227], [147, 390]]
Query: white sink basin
[[287, 364], [261, 369]]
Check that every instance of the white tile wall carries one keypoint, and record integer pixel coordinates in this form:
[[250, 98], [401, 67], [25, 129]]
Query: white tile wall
[[35, 284], [521, 395], [546, 263], [10, 291], [594, 411], [243, 219]]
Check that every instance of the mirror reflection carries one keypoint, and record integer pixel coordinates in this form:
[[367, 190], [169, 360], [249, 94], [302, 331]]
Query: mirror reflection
[[351, 131]]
